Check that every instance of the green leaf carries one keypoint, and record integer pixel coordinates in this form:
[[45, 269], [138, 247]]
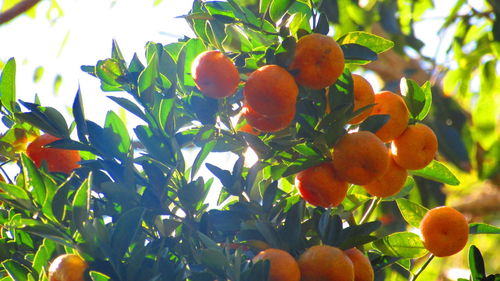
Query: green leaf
[[8, 85], [476, 264], [38, 74], [147, 78], [34, 180], [79, 115], [114, 122], [358, 54], [374, 122], [81, 203], [411, 211], [188, 53], [126, 228], [16, 271], [418, 100], [202, 155], [97, 276], [401, 244], [110, 71], [436, 171], [129, 106], [279, 8], [483, 228], [14, 192], [43, 255], [373, 42]]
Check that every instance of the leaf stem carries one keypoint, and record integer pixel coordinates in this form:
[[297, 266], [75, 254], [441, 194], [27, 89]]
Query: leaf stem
[[373, 204], [422, 268]]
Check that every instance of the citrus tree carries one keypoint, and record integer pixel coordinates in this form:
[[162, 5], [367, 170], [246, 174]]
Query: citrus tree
[[88, 201]]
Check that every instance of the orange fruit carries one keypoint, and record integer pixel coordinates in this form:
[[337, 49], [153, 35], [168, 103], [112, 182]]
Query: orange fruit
[[360, 158], [325, 263], [320, 186], [58, 160], [390, 183], [215, 75], [319, 60], [271, 90], [283, 265], [445, 231], [265, 123], [415, 147], [363, 270], [393, 105], [67, 267], [363, 96]]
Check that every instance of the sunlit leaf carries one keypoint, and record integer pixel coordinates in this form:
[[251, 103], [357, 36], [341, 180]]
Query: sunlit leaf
[[375, 43], [8, 85], [437, 171], [401, 244], [483, 228], [411, 211]]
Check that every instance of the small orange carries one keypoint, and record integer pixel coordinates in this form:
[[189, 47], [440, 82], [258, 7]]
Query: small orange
[[363, 270], [283, 265], [445, 231], [320, 186], [215, 75], [58, 160], [360, 158], [325, 263], [415, 147], [393, 105], [390, 183], [67, 267], [271, 90], [363, 96], [264, 123], [319, 60]]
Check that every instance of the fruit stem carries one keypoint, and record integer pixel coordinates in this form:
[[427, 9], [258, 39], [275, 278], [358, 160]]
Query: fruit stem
[[371, 208]]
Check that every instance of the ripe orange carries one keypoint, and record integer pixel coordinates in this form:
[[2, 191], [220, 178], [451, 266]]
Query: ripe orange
[[67, 267], [445, 231], [390, 183], [415, 147], [265, 123], [363, 270], [319, 60], [325, 263], [320, 186], [271, 90], [363, 96], [215, 74], [393, 105], [58, 160], [283, 265], [360, 158]]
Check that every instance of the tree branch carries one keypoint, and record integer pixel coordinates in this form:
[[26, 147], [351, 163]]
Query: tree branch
[[16, 10]]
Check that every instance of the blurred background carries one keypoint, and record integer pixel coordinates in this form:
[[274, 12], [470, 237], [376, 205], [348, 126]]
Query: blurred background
[[454, 44]]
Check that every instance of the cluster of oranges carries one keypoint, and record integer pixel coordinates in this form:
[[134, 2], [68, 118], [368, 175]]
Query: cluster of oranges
[[320, 262], [270, 92]]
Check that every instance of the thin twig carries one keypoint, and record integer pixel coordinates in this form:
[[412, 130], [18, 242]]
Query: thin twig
[[421, 269], [16, 10], [371, 208]]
